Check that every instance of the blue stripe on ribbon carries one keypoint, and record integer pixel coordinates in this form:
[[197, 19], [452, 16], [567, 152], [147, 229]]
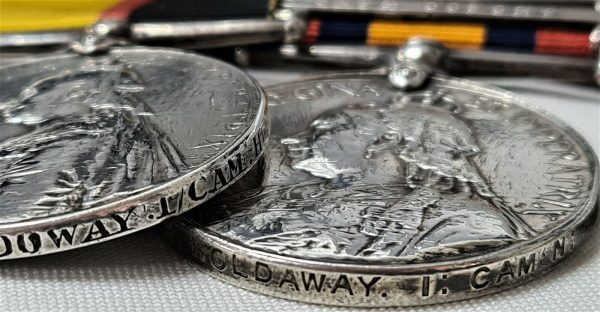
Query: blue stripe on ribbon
[[343, 31], [514, 38]]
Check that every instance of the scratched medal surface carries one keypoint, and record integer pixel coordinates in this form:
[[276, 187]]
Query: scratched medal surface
[[377, 197], [94, 147]]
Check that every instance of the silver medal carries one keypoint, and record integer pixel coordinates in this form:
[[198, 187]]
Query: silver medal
[[382, 197], [95, 147]]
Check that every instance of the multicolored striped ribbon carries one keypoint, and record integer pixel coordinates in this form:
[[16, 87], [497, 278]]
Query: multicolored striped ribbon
[[533, 39]]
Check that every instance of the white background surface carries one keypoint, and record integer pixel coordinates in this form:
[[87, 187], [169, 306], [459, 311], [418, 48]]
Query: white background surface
[[142, 273]]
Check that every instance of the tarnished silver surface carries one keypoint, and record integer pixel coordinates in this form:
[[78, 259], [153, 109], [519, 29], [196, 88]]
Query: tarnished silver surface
[[93, 148], [377, 197], [285, 26], [558, 11]]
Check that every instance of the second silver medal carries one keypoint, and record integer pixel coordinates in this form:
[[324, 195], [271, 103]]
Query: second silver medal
[[383, 197]]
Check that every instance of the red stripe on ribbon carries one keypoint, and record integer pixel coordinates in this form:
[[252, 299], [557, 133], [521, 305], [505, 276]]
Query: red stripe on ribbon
[[562, 42], [313, 30], [122, 10]]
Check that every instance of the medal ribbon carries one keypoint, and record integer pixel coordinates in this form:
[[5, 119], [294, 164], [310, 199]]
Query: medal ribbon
[[480, 36]]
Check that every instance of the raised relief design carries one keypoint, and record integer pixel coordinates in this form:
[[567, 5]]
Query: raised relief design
[[78, 138], [400, 181]]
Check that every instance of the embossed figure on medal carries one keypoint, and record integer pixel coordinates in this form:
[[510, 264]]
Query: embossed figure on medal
[[112, 140]]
